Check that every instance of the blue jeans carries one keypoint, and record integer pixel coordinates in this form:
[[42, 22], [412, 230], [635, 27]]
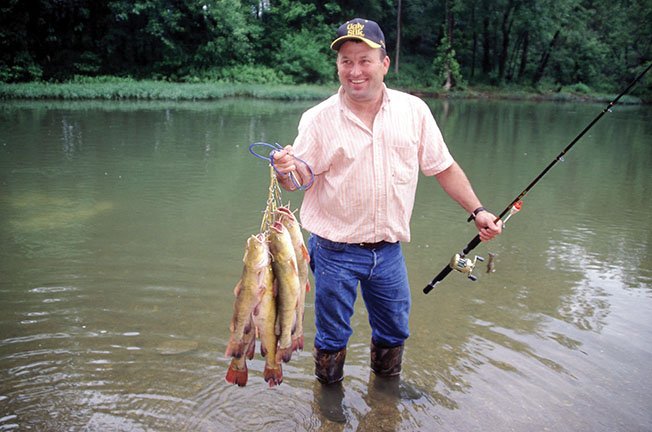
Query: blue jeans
[[382, 274]]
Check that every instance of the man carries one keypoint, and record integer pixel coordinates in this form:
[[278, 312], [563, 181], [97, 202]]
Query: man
[[365, 146]]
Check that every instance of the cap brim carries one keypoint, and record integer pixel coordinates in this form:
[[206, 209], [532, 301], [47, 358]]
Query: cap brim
[[337, 43]]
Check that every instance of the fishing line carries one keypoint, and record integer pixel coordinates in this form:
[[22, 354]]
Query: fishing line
[[270, 158], [459, 261]]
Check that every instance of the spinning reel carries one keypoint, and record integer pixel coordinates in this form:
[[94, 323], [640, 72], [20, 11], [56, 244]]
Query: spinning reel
[[465, 265]]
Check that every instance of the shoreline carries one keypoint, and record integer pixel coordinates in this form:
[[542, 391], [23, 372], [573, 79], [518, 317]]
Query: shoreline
[[131, 90]]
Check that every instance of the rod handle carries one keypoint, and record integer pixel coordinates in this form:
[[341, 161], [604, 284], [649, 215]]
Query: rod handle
[[471, 245], [446, 270], [442, 274]]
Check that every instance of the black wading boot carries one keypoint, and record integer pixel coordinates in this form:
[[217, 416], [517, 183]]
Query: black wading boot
[[329, 369], [386, 361], [329, 365]]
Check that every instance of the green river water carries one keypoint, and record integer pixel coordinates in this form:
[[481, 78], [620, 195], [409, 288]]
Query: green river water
[[123, 228]]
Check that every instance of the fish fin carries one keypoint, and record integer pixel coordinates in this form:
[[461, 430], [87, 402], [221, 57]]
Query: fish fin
[[256, 310], [301, 342], [251, 349], [238, 287], [277, 326], [235, 348], [284, 354], [297, 343], [273, 376], [305, 253], [236, 375]]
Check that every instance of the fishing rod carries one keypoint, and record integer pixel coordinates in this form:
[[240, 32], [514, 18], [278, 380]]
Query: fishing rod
[[459, 261]]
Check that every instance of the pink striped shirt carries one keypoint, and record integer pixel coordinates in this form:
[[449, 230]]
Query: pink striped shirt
[[365, 180]]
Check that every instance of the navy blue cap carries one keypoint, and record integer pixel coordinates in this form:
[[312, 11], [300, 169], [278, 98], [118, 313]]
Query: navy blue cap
[[360, 29]]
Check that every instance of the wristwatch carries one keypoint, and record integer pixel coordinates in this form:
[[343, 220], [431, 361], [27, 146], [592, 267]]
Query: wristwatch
[[475, 213]]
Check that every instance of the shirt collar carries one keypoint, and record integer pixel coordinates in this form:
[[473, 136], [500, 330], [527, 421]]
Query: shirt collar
[[343, 107]]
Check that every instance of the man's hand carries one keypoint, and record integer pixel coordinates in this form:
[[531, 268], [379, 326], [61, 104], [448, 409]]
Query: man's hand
[[284, 161], [487, 229]]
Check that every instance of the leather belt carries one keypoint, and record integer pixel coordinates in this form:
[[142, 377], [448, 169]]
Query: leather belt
[[376, 245]]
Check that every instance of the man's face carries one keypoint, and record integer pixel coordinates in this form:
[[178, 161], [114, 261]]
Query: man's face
[[361, 70]]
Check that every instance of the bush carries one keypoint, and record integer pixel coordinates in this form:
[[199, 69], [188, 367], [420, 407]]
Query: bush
[[306, 58], [578, 88], [242, 74], [23, 69]]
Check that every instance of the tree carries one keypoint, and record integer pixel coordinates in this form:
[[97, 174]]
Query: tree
[[549, 43], [398, 36]]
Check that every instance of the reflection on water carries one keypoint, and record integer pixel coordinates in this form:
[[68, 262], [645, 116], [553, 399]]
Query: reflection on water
[[123, 227], [39, 211]]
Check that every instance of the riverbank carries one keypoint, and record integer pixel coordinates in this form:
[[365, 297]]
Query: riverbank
[[128, 89]]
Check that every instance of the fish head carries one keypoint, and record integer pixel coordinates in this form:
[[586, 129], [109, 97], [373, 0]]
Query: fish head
[[280, 242], [276, 229], [286, 212], [287, 217], [257, 251]]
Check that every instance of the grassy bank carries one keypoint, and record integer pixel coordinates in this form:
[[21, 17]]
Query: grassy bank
[[128, 89]]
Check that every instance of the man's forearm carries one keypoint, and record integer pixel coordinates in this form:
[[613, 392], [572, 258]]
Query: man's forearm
[[455, 183]]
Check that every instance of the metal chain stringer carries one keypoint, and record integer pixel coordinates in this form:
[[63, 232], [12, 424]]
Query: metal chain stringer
[[274, 201]]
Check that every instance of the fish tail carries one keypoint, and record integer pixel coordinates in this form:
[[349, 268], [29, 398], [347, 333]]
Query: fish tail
[[237, 375], [284, 354], [273, 376]]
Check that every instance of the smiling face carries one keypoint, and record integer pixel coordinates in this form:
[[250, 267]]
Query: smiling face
[[361, 70]]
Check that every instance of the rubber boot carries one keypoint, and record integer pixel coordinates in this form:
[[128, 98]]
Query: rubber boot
[[329, 365], [330, 400], [386, 361]]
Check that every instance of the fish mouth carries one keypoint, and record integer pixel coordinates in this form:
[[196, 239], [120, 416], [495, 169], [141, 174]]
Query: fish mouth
[[284, 211], [277, 226], [259, 238]]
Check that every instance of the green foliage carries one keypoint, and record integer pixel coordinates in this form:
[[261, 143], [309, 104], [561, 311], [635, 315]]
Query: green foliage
[[305, 56], [24, 68], [446, 68], [241, 74], [411, 74], [546, 43], [579, 88]]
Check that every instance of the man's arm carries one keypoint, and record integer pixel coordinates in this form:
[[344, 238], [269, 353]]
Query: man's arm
[[457, 186]]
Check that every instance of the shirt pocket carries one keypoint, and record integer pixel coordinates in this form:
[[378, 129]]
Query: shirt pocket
[[404, 162]]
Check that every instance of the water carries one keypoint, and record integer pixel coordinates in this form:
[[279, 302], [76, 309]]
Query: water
[[123, 227]]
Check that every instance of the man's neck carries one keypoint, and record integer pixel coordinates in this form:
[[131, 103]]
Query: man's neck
[[365, 110]]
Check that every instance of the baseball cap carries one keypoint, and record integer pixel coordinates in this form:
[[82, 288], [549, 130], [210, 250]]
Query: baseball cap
[[361, 29]]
